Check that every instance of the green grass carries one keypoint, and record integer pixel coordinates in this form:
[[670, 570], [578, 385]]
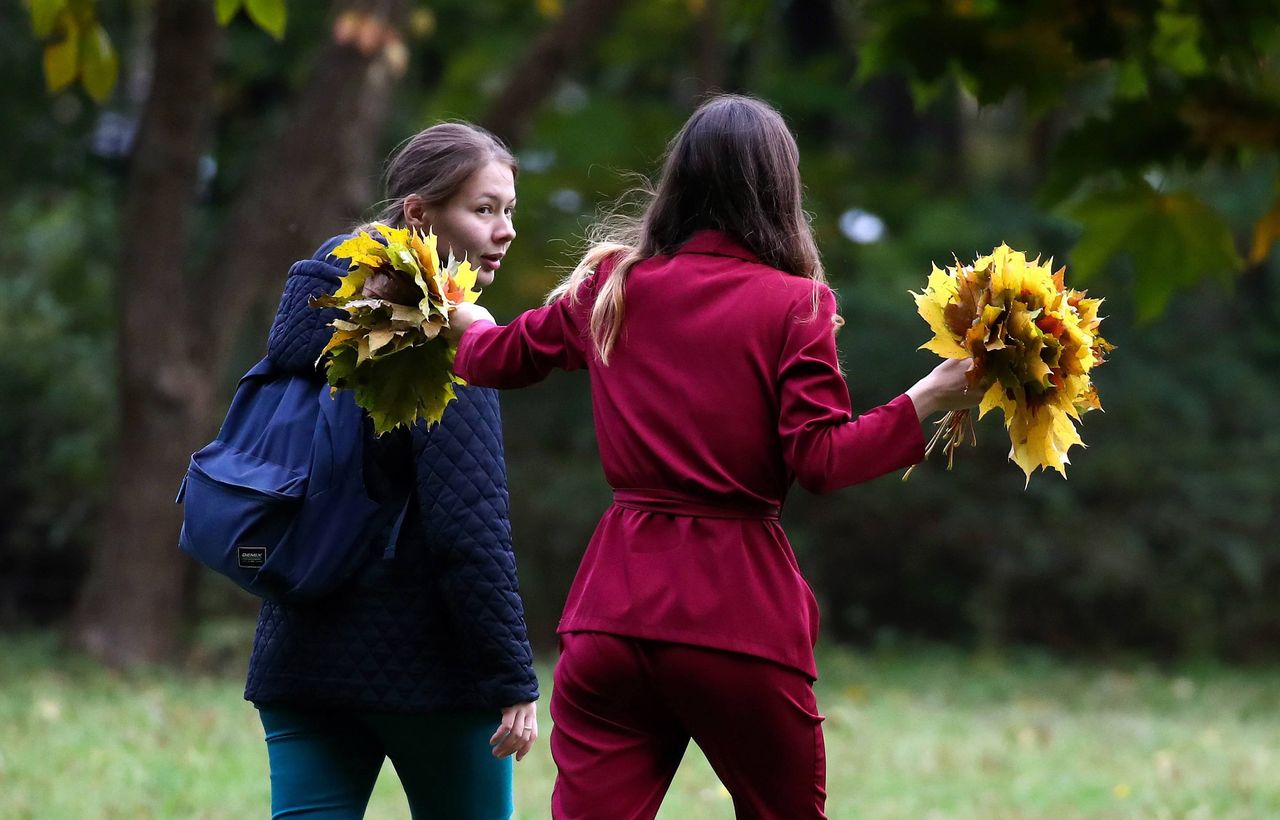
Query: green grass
[[922, 733]]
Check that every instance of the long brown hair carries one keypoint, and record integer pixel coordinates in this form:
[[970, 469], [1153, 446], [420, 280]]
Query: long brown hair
[[734, 167], [434, 163]]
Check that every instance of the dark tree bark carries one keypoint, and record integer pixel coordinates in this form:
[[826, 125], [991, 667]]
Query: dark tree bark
[[129, 608], [551, 56], [709, 54]]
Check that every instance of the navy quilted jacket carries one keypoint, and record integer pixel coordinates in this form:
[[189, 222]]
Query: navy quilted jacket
[[440, 627]]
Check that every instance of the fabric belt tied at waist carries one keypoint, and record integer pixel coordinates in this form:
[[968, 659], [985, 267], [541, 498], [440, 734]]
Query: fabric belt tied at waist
[[669, 503]]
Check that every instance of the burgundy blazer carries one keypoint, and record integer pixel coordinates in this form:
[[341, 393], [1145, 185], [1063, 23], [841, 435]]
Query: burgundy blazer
[[723, 390]]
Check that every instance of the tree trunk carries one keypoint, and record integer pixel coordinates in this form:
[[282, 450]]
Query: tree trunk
[[175, 338], [709, 51], [129, 609], [534, 77]]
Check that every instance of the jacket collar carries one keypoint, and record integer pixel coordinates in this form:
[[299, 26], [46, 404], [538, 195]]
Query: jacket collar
[[716, 243]]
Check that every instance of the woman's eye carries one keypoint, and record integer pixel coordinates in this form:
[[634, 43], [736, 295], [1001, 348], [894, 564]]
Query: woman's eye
[[484, 209]]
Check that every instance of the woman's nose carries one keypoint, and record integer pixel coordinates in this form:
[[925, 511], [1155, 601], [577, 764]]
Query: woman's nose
[[506, 230]]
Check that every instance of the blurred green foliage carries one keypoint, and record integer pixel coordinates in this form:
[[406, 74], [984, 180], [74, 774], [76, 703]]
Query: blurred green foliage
[[1163, 540], [1126, 87], [56, 365]]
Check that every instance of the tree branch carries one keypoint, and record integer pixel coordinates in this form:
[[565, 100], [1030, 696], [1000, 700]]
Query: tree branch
[[532, 79]]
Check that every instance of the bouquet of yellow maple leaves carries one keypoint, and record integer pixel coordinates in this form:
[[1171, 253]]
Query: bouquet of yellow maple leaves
[[1034, 343], [389, 350]]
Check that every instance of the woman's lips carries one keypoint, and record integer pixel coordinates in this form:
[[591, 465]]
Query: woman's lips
[[492, 261]]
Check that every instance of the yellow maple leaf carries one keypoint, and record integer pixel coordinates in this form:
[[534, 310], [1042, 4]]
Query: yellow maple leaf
[[1065, 434], [1028, 455], [361, 249], [425, 249], [931, 305], [341, 337], [1265, 232], [995, 397], [464, 281], [392, 235], [1037, 369]]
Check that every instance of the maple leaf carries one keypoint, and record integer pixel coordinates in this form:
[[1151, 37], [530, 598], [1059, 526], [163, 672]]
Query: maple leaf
[[464, 283], [392, 388], [425, 249], [931, 305], [361, 249], [1173, 240], [392, 286], [1265, 232], [380, 338]]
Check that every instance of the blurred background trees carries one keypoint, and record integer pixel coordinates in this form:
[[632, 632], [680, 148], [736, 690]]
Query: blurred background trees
[[146, 238]]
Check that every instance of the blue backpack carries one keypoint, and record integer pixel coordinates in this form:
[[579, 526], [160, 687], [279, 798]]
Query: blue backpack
[[277, 502]]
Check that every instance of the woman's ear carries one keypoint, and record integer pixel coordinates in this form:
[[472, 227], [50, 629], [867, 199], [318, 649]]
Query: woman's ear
[[417, 214]]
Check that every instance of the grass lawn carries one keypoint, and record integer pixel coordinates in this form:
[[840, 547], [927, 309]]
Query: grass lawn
[[920, 733]]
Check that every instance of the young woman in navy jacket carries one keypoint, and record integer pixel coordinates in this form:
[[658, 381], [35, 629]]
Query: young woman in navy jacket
[[709, 335], [423, 659]]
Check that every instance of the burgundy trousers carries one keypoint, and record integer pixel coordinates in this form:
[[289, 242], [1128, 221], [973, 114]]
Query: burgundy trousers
[[625, 710]]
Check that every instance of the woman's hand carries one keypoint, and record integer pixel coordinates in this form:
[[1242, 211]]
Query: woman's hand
[[518, 730], [464, 316], [945, 388]]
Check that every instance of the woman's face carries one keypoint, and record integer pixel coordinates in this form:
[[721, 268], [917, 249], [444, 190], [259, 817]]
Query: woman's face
[[476, 222]]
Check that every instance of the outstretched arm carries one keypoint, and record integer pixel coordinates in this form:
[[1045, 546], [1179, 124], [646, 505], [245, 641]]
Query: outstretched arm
[[825, 445], [525, 351]]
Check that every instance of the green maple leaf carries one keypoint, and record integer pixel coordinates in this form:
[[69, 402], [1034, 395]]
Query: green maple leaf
[[269, 15], [99, 64], [340, 367], [398, 388], [1174, 240], [226, 9]]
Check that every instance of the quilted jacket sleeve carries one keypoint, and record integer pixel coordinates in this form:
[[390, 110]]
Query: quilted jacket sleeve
[[462, 490], [299, 331]]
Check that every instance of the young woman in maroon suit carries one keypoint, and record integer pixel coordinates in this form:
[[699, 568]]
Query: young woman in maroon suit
[[709, 334]]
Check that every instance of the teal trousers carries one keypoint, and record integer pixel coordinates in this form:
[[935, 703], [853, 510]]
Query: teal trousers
[[324, 763]]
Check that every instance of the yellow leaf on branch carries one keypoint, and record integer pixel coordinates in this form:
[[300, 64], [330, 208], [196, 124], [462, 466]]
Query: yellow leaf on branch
[[62, 58], [1265, 232]]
